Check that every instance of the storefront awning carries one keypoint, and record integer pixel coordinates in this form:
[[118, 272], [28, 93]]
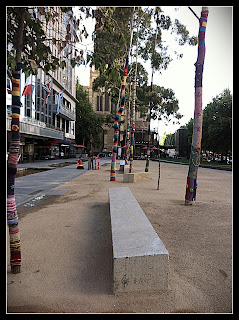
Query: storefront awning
[[62, 142], [78, 146]]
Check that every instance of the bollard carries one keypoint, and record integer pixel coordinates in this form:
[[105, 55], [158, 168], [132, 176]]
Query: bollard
[[98, 162], [95, 163]]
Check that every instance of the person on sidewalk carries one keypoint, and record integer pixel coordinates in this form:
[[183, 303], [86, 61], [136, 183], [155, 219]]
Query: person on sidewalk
[[90, 160]]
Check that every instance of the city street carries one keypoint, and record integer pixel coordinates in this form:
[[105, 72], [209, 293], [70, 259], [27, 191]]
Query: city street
[[67, 251]]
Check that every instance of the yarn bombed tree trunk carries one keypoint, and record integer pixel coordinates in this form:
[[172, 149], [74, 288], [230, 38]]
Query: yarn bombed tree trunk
[[133, 107], [127, 137], [191, 186], [116, 125], [12, 217], [127, 153], [149, 134], [118, 114]]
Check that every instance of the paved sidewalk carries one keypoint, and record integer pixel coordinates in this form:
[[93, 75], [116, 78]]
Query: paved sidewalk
[[42, 183], [46, 163], [67, 251]]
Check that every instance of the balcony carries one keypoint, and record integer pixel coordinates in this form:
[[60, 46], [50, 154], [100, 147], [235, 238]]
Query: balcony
[[65, 113], [37, 128]]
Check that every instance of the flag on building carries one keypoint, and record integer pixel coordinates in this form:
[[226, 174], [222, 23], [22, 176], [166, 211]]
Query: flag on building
[[59, 102], [47, 88], [28, 89]]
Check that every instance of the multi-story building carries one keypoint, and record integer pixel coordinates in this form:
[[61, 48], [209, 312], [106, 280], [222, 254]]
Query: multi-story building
[[43, 133], [102, 104], [182, 145]]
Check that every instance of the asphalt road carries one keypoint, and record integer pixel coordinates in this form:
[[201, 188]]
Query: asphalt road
[[43, 183]]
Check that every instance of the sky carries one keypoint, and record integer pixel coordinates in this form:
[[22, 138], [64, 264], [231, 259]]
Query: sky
[[180, 74]]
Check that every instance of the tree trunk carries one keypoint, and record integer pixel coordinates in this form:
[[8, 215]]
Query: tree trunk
[[191, 186], [127, 153], [118, 114], [159, 167], [150, 107], [133, 108], [12, 217]]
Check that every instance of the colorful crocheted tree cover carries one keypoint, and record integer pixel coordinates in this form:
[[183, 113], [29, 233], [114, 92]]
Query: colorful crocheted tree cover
[[116, 123], [133, 116], [194, 161], [127, 137], [149, 133], [12, 217], [117, 117]]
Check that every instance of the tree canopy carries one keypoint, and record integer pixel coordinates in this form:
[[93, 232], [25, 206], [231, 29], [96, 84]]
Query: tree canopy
[[35, 49], [112, 34], [217, 124], [111, 38]]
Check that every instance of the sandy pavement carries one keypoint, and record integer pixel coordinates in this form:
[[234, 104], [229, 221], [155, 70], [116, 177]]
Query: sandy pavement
[[67, 252]]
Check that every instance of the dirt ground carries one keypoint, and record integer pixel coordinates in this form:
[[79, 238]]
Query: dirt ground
[[67, 251]]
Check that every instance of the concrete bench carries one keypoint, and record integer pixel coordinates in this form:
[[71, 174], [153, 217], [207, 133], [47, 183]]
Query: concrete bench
[[140, 260], [137, 176]]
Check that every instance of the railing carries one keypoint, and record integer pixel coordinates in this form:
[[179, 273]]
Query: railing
[[37, 128], [33, 121], [70, 114]]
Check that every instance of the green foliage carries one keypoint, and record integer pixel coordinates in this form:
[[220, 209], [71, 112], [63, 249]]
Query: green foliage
[[217, 124], [169, 139], [164, 104], [88, 123], [158, 54], [111, 37], [36, 47], [112, 34]]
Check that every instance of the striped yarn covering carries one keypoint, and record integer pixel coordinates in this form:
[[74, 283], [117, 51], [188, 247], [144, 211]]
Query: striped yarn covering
[[116, 124], [127, 137], [194, 161], [12, 217]]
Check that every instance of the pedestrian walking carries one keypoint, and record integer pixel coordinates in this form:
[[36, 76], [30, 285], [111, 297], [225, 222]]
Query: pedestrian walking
[[90, 160]]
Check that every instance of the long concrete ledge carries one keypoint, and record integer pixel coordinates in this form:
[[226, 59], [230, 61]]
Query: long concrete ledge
[[140, 260], [137, 176]]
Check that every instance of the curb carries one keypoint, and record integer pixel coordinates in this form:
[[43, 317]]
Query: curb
[[200, 165]]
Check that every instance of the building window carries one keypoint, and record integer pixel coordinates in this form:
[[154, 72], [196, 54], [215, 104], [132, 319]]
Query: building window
[[28, 105], [113, 107], [99, 103], [107, 104], [58, 121], [67, 126], [63, 124]]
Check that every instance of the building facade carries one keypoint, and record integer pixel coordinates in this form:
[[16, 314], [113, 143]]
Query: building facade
[[102, 104], [182, 145], [43, 133]]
